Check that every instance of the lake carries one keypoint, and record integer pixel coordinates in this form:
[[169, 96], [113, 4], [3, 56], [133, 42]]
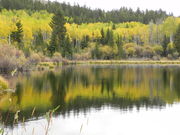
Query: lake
[[94, 100]]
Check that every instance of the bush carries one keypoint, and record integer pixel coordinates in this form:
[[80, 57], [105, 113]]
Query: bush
[[57, 57], [99, 51], [158, 49], [170, 57], [11, 58], [171, 48], [129, 45], [3, 83], [43, 58], [34, 59], [139, 51], [175, 55], [95, 51], [106, 52], [157, 57], [82, 56], [148, 52], [129, 49]]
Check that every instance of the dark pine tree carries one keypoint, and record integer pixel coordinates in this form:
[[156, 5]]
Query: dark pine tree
[[39, 42], [177, 39], [67, 48], [84, 42], [113, 27], [86, 15], [17, 36], [103, 38], [120, 47], [166, 41], [107, 38], [110, 37], [58, 33]]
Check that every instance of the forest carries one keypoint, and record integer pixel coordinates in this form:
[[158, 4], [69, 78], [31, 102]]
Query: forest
[[78, 14], [43, 31]]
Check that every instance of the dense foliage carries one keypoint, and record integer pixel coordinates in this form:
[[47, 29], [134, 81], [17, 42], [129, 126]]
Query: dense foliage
[[74, 32], [45, 33], [84, 14]]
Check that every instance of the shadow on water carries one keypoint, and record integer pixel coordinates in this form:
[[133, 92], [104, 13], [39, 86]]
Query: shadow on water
[[81, 88]]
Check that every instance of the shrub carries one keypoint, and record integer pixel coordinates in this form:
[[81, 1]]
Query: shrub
[[129, 45], [171, 48], [139, 51], [130, 52], [34, 59], [106, 52], [170, 56], [11, 58], [95, 51], [82, 56], [148, 51], [99, 51], [158, 49], [157, 57], [175, 55], [57, 57], [43, 58], [3, 83], [129, 49]]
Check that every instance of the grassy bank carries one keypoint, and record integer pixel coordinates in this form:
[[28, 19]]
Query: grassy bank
[[52, 65], [163, 62]]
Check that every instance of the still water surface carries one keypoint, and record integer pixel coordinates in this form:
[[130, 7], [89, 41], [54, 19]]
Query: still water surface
[[95, 100]]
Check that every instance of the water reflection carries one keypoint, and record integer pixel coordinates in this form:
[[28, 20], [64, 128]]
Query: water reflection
[[80, 88]]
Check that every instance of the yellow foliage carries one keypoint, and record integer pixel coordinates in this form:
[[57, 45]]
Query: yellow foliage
[[32, 23]]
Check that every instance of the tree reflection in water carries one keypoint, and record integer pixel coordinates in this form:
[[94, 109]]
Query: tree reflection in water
[[80, 88]]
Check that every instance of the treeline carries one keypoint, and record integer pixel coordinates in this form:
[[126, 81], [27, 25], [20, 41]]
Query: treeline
[[78, 14], [43, 34]]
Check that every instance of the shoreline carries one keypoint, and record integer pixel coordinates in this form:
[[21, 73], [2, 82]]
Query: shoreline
[[52, 65], [123, 62]]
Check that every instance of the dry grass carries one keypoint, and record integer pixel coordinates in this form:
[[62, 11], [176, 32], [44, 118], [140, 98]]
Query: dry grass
[[11, 58]]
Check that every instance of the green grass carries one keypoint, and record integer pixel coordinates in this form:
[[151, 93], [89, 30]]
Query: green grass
[[47, 65], [52, 65], [163, 62]]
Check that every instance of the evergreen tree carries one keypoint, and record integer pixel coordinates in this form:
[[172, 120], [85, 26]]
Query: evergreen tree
[[84, 14], [39, 44], [53, 44], [67, 48], [84, 42], [166, 41], [113, 27], [110, 37], [107, 36], [17, 36], [177, 39], [95, 52], [58, 33], [120, 47], [119, 40], [103, 39]]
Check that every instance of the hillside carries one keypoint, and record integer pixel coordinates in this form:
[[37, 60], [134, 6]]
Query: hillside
[[86, 15], [35, 36]]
